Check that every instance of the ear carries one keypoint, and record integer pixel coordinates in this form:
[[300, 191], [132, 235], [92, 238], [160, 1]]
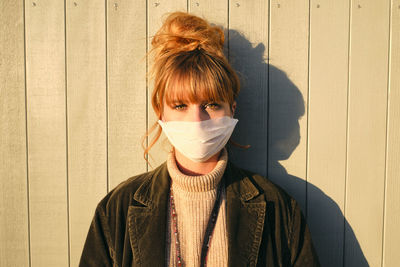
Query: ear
[[233, 108]]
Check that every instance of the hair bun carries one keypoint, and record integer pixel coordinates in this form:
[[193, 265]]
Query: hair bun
[[182, 32]]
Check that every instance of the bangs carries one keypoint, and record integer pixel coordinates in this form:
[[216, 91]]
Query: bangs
[[198, 78]]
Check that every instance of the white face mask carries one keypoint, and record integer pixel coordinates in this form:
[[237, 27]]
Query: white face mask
[[199, 140]]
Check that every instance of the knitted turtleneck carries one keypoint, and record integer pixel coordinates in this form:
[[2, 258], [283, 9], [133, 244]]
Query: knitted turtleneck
[[194, 198]]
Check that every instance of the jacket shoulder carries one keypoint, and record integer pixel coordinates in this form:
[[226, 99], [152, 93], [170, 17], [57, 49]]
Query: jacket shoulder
[[286, 222], [122, 196], [270, 190]]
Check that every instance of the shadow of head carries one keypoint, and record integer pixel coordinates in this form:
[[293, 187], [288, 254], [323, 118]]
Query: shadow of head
[[283, 102], [269, 109]]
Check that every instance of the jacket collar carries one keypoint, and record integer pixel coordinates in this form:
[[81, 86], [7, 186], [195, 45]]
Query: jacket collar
[[245, 218]]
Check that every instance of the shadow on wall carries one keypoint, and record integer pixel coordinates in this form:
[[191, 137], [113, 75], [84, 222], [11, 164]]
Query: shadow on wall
[[327, 225]]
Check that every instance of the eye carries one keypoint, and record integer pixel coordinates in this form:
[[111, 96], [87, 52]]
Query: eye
[[179, 106], [212, 106]]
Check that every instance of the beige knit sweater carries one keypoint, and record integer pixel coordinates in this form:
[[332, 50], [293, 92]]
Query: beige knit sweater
[[194, 198]]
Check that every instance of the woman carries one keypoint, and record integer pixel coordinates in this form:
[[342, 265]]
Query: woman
[[197, 208]]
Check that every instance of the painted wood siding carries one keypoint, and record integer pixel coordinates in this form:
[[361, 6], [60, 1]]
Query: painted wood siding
[[320, 107]]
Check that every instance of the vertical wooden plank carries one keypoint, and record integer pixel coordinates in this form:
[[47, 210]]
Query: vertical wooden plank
[[288, 86], [392, 201], [126, 54], [87, 129], [329, 25], [367, 130], [45, 81], [14, 236], [248, 52], [156, 11]]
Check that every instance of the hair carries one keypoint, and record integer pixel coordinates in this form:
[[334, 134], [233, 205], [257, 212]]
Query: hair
[[189, 64]]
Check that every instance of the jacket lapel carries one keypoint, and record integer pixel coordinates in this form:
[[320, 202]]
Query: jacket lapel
[[147, 220], [245, 218]]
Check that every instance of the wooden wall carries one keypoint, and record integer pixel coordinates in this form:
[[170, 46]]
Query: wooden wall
[[320, 106]]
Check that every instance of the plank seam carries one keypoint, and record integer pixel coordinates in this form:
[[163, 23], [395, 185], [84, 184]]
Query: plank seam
[[66, 135], [347, 133], [107, 107], [147, 82], [308, 106], [228, 28], [387, 134], [268, 85], [26, 141]]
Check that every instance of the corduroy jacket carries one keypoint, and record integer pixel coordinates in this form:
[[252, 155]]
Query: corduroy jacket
[[265, 225]]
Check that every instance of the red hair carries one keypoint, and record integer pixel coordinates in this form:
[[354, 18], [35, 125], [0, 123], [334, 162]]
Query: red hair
[[189, 65]]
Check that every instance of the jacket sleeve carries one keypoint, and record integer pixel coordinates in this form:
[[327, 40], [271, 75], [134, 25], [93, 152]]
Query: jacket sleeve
[[97, 250], [303, 253]]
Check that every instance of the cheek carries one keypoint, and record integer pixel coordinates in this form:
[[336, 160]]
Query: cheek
[[164, 114], [170, 114], [227, 110]]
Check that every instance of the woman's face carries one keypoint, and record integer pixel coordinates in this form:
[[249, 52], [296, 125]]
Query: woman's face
[[199, 111]]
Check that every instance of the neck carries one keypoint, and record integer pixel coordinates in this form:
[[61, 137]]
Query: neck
[[192, 168]]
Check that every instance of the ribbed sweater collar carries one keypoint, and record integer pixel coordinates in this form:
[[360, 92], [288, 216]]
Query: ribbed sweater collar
[[200, 183]]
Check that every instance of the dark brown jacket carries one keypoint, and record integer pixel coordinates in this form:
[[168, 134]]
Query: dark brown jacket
[[265, 225]]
